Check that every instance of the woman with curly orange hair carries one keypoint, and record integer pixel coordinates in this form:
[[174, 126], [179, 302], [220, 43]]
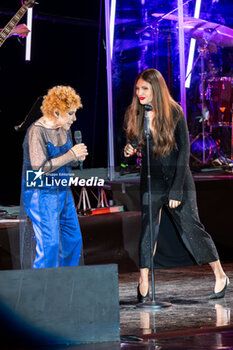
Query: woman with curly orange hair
[[46, 196], [172, 184]]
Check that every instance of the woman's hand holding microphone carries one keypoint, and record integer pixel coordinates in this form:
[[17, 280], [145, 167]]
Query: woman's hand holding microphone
[[129, 150], [80, 151]]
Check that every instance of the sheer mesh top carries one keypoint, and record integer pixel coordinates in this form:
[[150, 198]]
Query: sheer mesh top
[[38, 138]]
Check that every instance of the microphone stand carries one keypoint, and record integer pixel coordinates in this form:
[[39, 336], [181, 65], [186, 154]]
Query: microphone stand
[[34, 114], [150, 304]]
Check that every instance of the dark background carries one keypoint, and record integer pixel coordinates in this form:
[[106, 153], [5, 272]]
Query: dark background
[[67, 48]]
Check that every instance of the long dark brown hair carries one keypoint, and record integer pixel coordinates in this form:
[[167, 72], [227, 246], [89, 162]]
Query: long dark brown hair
[[167, 112]]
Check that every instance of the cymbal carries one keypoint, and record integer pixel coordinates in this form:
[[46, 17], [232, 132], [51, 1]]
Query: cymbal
[[203, 30], [211, 32], [172, 17]]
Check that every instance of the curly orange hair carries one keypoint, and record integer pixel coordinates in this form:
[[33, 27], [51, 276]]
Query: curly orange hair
[[61, 98]]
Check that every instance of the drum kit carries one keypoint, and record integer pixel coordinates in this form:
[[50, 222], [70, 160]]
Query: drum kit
[[216, 92]]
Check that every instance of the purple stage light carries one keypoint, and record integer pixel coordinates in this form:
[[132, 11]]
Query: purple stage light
[[192, 47], [29, 36], [112, 24]]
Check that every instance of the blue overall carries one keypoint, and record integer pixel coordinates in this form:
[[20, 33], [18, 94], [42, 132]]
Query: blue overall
[[54, 219]]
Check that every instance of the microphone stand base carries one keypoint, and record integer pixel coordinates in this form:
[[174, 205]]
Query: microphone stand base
[[152, 305]]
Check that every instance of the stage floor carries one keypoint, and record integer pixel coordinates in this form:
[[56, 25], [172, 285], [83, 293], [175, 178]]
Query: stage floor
[[191, 312], [192, 321]]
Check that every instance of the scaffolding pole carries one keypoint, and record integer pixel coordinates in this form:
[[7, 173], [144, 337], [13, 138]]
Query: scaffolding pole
[[111, 160]]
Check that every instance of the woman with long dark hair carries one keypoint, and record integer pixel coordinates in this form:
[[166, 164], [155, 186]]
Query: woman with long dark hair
[[172, 184]]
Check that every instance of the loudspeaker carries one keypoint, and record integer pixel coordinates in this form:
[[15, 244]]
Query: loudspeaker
[[65, 305]]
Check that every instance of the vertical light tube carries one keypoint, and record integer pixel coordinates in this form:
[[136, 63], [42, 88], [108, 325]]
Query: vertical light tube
[[112, 24], [182, 56], [111, 159], [192, 47], [29, 36]]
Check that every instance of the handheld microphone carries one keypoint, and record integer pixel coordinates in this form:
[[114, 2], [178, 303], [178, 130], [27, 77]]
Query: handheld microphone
[[148, 108], [78, 139], [124, 163]]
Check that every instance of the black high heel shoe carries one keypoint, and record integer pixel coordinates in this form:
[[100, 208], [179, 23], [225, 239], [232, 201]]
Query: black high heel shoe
[[141, 298], [220, 294]]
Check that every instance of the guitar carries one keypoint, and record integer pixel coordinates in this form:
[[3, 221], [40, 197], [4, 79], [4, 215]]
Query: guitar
[[6, 31]]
